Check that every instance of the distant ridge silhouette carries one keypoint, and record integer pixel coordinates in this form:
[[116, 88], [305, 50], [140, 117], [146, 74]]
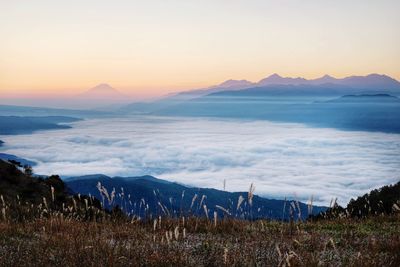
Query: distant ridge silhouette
[[364, 82], [102, 91], [372, 81]]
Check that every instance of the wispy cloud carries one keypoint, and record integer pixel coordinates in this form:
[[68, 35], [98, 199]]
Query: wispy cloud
[[280, 159]]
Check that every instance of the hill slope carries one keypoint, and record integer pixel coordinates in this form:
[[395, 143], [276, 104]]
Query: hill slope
[[163, 197], [378, 202], [24, 197]]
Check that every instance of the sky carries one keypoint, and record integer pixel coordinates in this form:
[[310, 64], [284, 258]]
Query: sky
[[154, 47]]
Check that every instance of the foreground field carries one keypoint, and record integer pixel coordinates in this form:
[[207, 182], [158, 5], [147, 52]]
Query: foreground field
[[199, 242], [43, 223]]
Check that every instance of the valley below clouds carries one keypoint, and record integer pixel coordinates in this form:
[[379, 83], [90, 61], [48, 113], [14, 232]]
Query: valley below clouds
[[281, 159]]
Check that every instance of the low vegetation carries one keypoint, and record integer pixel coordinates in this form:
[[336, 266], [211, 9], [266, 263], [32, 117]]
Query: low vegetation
[[48, 226], [200, 242]]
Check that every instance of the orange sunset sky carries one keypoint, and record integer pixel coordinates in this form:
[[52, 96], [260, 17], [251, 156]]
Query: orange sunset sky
[[150, 48]]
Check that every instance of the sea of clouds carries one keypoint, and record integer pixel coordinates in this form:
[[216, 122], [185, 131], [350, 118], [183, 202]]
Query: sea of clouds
[[282, 160]]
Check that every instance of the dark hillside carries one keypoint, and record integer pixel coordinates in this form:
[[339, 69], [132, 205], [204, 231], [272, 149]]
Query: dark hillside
[[26, 197], [382, 201], [160, 197]]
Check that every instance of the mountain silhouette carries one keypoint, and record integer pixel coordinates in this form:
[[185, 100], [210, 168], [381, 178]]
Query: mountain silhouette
[[371, 81], [234, 84], [277, 79], [175, 199], [102, 91]]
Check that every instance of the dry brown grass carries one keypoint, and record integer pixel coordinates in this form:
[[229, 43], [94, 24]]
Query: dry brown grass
[[57, 242]]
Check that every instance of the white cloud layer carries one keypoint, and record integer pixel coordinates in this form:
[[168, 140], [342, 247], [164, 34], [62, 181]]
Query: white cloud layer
[[280, 159]]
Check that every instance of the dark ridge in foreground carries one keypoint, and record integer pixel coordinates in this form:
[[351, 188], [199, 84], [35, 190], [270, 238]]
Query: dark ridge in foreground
[[24, 197], [378, 202], [36, 229], [146, 194], [142, 197]]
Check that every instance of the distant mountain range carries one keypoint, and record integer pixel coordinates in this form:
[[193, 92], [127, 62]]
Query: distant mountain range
[[371, 81], [135, 194], [274, 86], [375, 82], [106, 98], [371, 102], [318, 102], [323, 85]]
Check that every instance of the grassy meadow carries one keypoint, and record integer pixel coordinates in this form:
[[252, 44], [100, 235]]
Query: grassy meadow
[[57, 241]]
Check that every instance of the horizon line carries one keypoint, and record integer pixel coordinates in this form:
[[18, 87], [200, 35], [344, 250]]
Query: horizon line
[[126, 93]]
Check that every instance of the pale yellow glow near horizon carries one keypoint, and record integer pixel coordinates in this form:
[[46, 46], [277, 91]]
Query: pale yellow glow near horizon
[[149, 48]]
